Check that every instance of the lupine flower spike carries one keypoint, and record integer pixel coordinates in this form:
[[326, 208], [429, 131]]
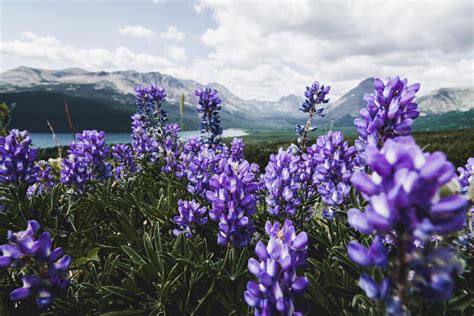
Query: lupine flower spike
[[405, 204], [275, 270], [208, 110], [315, 97], [87, 159], [17, 158], [44, 270], [390, 112]]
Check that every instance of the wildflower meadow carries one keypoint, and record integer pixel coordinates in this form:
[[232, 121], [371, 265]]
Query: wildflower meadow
[[164, 225]]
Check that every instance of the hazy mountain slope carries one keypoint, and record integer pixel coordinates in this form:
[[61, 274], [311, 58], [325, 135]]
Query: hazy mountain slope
[[447, 100], [106, 99]]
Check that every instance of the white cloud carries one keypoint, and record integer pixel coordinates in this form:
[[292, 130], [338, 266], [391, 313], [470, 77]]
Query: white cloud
[[176, 53], [287, 45], [172, 33], [48, 50], [136, 31], [159, 1], [267, 49]]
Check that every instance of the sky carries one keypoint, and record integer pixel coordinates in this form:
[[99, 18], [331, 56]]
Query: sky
[[257, 49]]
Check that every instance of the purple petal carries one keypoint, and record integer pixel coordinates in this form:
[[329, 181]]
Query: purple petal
[[301, 241], [363, 183], [358, 253], [261, 251], [369, 286], [20, 293], [300, 284], [358, 221], [254, 266]]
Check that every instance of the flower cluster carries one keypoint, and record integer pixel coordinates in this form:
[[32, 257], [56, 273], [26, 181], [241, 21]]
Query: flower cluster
[[389, 112], [170, 144], [233, 198], [315, 95], [44, 178], [208, 110], [328, 165], [149, 100], [275, 270], [124, 162], [44, 270], [144, 143], [405, 203], [466, 175], [87, 159], [190, 213], [190, 149], [200, 170], [237, 149], [17, 158], [282, 184]]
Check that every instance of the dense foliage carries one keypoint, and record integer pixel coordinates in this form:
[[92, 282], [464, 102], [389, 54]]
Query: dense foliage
[[171, 226]]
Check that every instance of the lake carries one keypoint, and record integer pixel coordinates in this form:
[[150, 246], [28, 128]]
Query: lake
[[45, 140]]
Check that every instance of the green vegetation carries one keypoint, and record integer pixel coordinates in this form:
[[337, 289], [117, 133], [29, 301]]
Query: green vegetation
[[457, 144], [4, 118]]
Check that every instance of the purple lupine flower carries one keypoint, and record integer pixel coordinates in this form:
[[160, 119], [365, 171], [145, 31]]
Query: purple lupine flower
[[190, 213], [44, 270], [191, 148], [275, 270], [327, 166], [171, 147], [466, 180], [405, 204], [390, 112], [234, 201], [466, 175], [208, 110], [122, 155], [149, 100], [315, 96], [87, 159], [200, 170], [17, 158], [44, 179], [237, 149], [144, 143], [281, 182]]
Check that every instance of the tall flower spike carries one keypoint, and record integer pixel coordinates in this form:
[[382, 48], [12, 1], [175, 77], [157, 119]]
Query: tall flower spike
[[390, 112], [237, 149], [281, 182], [466, 175], [44, 179], [123, 160], [208, 110], [275, 270], [191, 148], [45, 271], [190, 213], [149, 100], [406, 206], [144, 143], [234, 201], [17, 158], [327, 167], [201, 168], [87, 159], [171, 145], [315, 96]]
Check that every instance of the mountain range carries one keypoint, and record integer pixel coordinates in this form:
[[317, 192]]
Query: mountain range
[[105, 100]]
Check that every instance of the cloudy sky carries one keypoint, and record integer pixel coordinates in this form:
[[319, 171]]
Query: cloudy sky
[[257, 49]]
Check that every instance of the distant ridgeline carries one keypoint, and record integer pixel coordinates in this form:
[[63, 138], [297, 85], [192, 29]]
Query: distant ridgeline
[[103, 100]]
